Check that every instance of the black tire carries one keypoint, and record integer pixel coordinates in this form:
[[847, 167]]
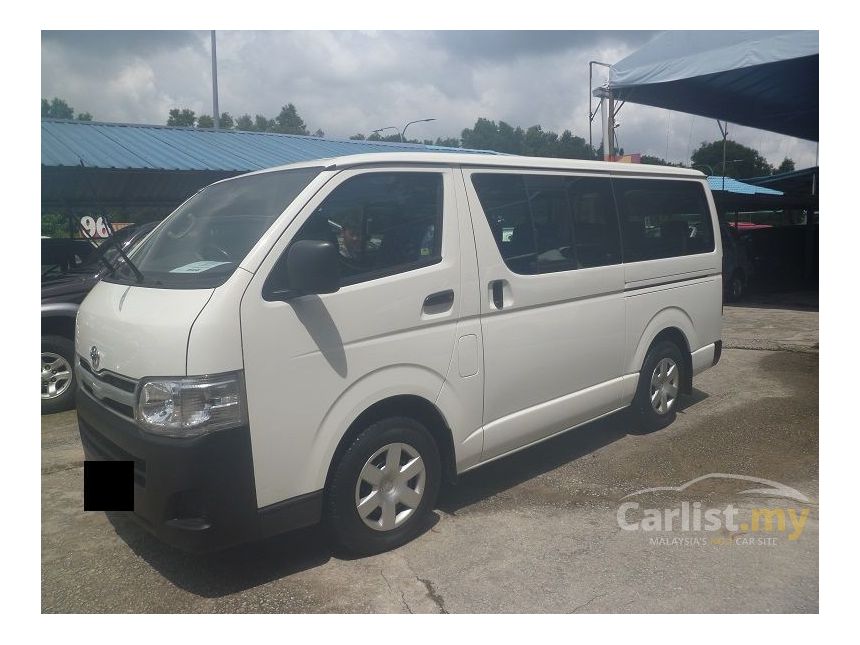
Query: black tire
[[65, 348], [736, 286], [346, 528], [645, 418]]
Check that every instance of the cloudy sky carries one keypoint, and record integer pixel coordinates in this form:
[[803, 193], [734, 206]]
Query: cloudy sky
[[347, 81]]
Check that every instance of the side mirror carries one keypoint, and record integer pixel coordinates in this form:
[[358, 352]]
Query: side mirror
[[310, 266]]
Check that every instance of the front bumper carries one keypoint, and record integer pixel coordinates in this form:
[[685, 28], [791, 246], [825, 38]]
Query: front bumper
[[197, 494]]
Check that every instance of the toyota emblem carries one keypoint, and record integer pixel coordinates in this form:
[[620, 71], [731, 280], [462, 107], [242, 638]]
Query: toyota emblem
[[94, 357]]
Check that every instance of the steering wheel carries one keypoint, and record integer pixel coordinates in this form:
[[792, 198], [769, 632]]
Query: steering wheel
[[209, 246]]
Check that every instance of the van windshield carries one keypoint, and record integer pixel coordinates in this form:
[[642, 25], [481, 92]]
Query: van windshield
[[203, 241]]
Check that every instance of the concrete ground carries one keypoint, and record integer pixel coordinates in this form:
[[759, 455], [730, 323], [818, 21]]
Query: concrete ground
[[535, 532]]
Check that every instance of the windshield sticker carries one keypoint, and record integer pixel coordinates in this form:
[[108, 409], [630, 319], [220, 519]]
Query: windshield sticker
[[197, 267]]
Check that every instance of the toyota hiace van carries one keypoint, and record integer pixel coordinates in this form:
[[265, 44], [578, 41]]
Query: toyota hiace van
[[329, 341]]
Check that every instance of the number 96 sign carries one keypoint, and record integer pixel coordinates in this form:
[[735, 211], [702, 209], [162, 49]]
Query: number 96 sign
[[94, 227]]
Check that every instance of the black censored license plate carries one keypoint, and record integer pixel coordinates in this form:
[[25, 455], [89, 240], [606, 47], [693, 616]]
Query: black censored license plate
[[108, 485]]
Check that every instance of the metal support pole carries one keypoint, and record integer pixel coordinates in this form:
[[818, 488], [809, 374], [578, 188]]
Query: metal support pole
[[610, 125], [593, 112], [215, 112], [604, 124], [725, 133]]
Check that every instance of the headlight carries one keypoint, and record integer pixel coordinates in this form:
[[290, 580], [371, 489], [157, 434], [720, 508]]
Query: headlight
[[186, 407]]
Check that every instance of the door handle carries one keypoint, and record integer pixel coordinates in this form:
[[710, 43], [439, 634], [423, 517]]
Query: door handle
[[497, 289], [438, 302]]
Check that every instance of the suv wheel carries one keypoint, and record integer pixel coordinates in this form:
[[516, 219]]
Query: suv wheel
[[383, 487], [58, 376]]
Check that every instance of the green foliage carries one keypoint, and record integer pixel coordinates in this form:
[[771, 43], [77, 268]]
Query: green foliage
[[245, 123], [357, 137], [534, 142], [205, 121], [181, 118], [55, 225], [448, 142], [787, 165], [262, 124], [226, 121], [657, 161], [57, 108], [288, 121], [750, 164]]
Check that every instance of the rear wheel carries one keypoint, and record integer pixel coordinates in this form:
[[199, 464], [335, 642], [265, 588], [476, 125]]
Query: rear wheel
[[736, 286], [383, 487], [659, 387], [58, 377]]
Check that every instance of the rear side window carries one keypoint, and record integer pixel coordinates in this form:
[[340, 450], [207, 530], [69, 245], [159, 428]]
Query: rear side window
[[663, 218], [548, 223], [381, 223]]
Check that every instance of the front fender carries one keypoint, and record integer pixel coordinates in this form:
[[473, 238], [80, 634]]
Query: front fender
[[370, 389]]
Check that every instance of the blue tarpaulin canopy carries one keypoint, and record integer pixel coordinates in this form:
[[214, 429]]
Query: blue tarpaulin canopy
[[761, 79], [741, 188]]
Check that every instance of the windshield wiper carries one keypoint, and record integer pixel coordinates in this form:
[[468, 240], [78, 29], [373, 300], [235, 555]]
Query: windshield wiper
[[118, 245], [111, 268]]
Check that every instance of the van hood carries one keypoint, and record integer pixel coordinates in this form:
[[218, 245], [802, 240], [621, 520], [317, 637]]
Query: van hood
[[138, 331]]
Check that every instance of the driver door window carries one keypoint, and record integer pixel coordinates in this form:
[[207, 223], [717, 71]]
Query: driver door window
[[381, 223]]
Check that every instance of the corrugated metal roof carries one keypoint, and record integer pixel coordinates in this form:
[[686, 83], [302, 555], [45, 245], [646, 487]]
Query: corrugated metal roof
[[152, 147], [739, 187]]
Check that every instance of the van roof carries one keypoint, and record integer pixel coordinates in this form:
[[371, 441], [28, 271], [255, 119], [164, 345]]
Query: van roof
[[472, 160]]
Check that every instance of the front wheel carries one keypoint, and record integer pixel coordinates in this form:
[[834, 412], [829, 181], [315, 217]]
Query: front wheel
[[384, 486], [659, 387]]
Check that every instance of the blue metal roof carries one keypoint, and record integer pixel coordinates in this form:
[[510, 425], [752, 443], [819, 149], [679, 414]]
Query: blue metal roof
[[152, 147], [739, 187]]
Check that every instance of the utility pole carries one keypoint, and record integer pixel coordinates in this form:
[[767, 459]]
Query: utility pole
[[215, 112]]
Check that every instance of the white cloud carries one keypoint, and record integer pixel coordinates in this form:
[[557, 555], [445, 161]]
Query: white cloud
[[346, 82]]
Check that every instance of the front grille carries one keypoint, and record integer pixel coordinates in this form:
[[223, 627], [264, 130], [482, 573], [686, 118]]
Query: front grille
[[116, 406], [114, 392], [117, 381]]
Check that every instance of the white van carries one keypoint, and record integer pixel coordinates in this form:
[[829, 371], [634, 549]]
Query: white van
[[330, 340]]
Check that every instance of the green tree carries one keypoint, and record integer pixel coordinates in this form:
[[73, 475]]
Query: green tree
[[205, 121], [358, 137], [657, 161], [484, 135], [84, 116], [288, 121], [262, 124], [181, 118], [509, 139], [787, 165], [741, 161], [572, 147], [245, 123], [225, 122], [448, 142], [535, 141], [57, 108]]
